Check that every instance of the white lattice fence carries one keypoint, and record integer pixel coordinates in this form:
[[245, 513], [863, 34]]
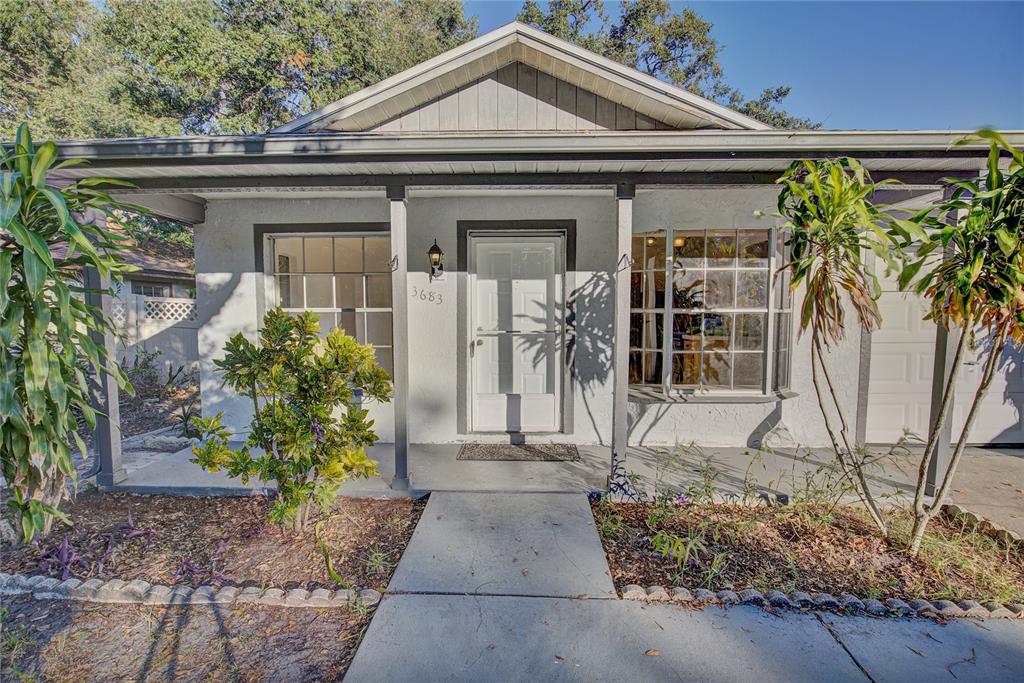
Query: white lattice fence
[[169, 309], [156, 323], [119, 312]]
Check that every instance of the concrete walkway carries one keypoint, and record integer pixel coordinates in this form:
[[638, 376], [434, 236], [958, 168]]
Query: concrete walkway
[[502, 587], [489, 638], [539, 544]]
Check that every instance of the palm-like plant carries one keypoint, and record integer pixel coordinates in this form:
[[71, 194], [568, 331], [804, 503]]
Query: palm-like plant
[[828, 209], [975, 243], [45, 344]]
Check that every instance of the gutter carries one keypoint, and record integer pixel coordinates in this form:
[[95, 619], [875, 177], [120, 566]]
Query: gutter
[[408, 147]]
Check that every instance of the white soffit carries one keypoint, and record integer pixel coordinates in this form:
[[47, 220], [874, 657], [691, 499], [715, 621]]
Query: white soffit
[[514, 42]]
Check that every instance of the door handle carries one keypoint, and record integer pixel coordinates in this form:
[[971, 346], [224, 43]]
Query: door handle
[[494, 332]]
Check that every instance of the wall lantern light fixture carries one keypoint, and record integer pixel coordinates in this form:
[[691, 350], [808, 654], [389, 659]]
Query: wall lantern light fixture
[[436, 261]]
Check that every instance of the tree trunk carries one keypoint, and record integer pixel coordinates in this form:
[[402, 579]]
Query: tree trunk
[[52, 495], [856, 478], [300, 518], [920, 513], [921, 524]]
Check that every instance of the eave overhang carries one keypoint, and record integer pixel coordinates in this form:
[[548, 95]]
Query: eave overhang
[[163, 162]]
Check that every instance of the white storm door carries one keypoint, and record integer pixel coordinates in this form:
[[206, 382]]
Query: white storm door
[[516, 332]]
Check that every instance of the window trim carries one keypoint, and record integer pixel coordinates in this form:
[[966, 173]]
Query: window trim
[[165, 285], [666, 391], [265, 233]]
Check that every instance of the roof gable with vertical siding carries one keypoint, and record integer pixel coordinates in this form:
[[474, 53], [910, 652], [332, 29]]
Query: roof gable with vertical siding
[[517, 78]]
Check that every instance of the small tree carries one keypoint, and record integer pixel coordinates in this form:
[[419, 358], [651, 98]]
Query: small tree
[[312, 434], [828, 207], [975, 241], [45, 348]]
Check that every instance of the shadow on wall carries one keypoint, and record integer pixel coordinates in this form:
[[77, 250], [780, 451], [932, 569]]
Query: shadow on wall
[[588, 340], [217, 320], [1011, 365], [589, 354]]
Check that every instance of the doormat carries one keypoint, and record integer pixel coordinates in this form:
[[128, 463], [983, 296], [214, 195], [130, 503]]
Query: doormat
[[538, 452]]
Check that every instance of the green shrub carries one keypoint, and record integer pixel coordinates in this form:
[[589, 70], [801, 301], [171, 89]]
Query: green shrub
[[312, 433], [46, 351]]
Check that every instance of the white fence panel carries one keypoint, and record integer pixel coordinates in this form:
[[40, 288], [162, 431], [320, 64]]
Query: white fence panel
[[157, 323]]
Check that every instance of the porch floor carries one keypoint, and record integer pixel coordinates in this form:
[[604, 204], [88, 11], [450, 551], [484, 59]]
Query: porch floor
[[990, 481]]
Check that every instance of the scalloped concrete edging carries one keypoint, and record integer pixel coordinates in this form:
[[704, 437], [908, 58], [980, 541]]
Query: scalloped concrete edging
[[982, 524], [847, 603], [144, 593]]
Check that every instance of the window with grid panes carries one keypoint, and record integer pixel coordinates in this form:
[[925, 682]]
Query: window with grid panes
[[346, 279], [705, 313]]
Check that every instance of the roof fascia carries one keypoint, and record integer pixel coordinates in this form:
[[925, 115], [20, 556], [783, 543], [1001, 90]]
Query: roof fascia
[[253, 149]]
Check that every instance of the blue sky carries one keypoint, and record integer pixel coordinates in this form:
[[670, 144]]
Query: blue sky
[[865, 65]]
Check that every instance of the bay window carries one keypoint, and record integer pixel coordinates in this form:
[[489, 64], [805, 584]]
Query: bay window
[[345, 279], [706, 315]]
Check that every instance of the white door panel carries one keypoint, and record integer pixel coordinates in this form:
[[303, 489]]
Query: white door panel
[[899, 392], [516, 332]]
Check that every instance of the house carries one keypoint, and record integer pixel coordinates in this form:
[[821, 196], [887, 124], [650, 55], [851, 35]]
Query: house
[[543, 244], [165, 270], [154, 308]]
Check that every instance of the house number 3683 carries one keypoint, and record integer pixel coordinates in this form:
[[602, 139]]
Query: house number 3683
[[430, 297]]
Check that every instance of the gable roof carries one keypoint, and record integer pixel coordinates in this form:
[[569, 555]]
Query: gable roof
[[516, 42]]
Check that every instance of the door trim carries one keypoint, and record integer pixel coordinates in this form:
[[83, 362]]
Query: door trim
[[566, 228]]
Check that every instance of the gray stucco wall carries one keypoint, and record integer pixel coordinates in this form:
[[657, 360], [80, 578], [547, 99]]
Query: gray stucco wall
[[229, 302]]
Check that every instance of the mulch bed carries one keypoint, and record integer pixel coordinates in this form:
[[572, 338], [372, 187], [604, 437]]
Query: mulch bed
[[154, 410], [804, 548], [78, 641], [219, 540]]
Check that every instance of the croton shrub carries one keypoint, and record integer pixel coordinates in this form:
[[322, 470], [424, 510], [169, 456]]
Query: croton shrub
[[309, 433]]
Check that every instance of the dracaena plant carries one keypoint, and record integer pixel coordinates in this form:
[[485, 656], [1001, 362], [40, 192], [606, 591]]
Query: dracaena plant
[[46, 350], [972, 257], [829, 211], [307, 435]]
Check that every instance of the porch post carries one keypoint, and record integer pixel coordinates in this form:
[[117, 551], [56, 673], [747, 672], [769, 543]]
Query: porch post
[[106, 396], [624, 194], [945, 350], [400, 334]]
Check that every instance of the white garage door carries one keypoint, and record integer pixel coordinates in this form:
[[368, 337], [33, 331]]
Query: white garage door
[[899, 393]]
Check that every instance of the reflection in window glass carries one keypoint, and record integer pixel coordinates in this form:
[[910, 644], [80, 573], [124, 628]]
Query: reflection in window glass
[[750, 331], [718, 284], [720, 289], [318, 291], [318, 255], [345, 279], [377, 254], [751, 289], [686, 369], [378, 291], [753, 248], [748, 370], [688, 289], [687, 332], [688, 248], [721, 248], [349, 291], [348, 254]]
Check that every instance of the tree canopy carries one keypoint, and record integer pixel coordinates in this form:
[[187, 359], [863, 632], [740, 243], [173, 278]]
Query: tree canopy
[[136, 67], [673, 46]]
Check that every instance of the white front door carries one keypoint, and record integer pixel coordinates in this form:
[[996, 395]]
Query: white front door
[[516, 332]]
